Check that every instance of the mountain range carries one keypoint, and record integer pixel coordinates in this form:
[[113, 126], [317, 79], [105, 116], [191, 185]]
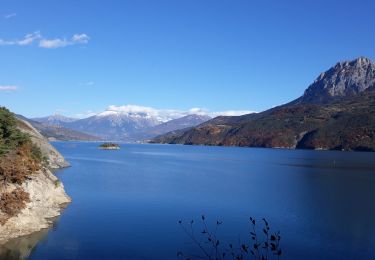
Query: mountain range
[[337, 111], [114, 125]]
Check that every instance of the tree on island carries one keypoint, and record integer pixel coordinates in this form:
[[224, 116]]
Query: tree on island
[[109, 146]]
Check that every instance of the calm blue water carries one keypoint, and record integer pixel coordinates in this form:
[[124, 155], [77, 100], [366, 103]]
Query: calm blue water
[[126, 203]]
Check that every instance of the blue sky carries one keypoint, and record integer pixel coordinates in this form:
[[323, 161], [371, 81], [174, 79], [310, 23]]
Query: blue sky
[[82, 56]]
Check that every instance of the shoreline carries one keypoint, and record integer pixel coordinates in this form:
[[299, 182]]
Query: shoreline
[[47, 196], [47, 201]]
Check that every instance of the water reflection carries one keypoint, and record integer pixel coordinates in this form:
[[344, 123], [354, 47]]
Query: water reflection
[[22, 247]]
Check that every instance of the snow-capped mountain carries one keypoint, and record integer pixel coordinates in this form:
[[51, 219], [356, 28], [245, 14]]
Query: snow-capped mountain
[[130, 127], [160, 115], [132, 123], [114, 125]]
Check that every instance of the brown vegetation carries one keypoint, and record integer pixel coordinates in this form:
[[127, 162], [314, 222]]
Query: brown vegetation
[[19, 158], [18, 165], [11, 203], [347, 124]]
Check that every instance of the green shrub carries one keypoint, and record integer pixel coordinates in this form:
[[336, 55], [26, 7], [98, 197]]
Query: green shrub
[[10, 137], [57, 183], [19, 157]]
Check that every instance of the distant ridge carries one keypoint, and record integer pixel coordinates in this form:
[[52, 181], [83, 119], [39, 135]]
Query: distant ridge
[[56, 120], [174, 125], [114, 126], [58, 132]]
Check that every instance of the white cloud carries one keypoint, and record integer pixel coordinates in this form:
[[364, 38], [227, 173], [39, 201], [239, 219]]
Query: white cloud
[[168, 114], [58, 43], [8, 88], [133, 109], [86, 84], [8, 16], [52, 44], [85, 114], [198, 111], [47, 43], [204, 111], [27, 40], [80, 38], [233, 113], [4, 42]]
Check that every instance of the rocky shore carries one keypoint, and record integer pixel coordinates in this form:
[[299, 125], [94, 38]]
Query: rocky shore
[[46, 193]]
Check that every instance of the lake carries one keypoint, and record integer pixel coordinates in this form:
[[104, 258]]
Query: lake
[[126, 203]]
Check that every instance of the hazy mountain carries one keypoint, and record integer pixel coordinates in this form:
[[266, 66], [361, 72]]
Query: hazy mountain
[[56, 120], [337, 111], [179, 123], [56, 132], [172, 125]]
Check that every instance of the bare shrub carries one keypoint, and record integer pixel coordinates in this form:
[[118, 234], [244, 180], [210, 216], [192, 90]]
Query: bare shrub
[[262, 247]]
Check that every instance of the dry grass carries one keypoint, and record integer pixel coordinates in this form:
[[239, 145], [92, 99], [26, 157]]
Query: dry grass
[[18, 165], [11, 203]]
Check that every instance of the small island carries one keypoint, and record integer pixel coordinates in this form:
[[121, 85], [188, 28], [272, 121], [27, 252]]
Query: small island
[[109, 146]]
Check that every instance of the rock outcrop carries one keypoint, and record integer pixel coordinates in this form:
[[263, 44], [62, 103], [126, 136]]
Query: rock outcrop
[[55, 159], [46, 193], [345, 79]]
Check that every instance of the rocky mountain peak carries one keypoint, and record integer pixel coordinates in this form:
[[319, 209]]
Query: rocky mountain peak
[[346, 78]]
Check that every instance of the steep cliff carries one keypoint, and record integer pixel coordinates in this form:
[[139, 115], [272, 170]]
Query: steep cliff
[[55, 159], [345, 79], [28, 200]]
